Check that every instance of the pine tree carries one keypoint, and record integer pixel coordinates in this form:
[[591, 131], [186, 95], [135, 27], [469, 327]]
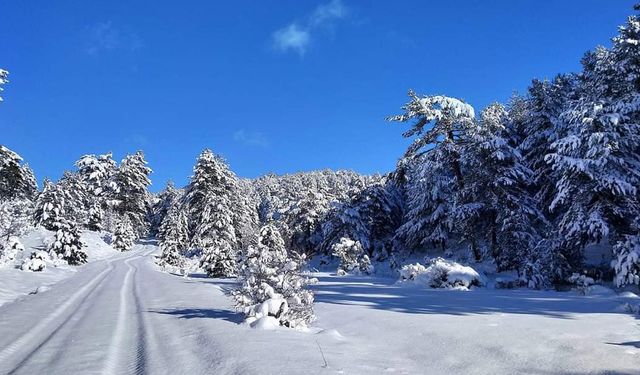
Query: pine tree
[[67, 244], [371, 218], [350, 253], [272, 286], [3, 80], [132, 179], [496, 203], [124, 236], [216, 236], [160, 208], [596, 156], [75, 198], [16, 179], [209, 199], [15, 218], [49, 207], [545, 104], [303, 222], [440, 126], [626, 261], [174, 236], [96, 174]]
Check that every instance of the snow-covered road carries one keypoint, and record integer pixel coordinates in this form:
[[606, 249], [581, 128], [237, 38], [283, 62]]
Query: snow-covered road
[[89, 323], [122, 316]]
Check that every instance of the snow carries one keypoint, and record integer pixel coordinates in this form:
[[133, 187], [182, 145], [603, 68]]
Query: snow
[[16, 283], [441, 273], [122, 314]]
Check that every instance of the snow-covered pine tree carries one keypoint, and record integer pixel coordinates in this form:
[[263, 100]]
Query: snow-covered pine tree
[[174, 236], [544, 105], [371, 218], [97, 176], [209, 199], [626, 58], [503, 213], [440, 125], [303, 223], [75, 198], [49, 207], [15, 218], [163, 202], [596, 156], [124, 236], [3, 80], [67, 244], [350, 253], [382, 205], [246, 221], [132, 197], [626, 261], [217, 238], [272, 287], [16, 179]]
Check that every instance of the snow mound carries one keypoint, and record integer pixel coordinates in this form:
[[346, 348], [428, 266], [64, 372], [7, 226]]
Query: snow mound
[[268, 323], [96, 247], [441, 273], [599, 290], [628, 294], [331, 333]]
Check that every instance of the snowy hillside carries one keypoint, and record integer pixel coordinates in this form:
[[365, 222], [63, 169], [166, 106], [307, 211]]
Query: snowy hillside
[[16, 283]]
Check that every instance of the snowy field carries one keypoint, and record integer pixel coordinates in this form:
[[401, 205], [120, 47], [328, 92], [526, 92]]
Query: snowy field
[[121, 314], [16, 283]]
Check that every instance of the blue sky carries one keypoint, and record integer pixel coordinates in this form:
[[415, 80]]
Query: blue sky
[[278, 86]]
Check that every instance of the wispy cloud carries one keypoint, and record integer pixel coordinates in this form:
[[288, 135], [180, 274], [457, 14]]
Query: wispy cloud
[[251, 138], [291, 37], [327, 13], [105, 37], [296, 36]]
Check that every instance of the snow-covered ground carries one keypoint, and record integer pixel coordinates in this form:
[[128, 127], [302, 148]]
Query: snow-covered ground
[[15, 283], [123, 315]]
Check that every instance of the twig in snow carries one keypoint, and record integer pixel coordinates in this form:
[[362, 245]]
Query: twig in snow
[[323, 358]]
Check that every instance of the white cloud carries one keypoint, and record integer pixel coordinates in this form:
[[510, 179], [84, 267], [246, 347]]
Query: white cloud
[[297, 36], [291, 37], [251, 138], [326, 13]]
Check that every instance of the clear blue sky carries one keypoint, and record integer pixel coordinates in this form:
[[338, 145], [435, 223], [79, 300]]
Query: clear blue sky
[[277, 86]]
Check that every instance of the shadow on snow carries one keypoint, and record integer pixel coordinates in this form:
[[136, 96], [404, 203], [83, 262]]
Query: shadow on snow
[[386, 295], [228, 315]]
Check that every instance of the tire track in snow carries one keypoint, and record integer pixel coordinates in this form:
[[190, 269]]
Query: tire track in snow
[[139, 364], [147, 339], [114, 356], [136, 358], [81, 310], [11, 354]]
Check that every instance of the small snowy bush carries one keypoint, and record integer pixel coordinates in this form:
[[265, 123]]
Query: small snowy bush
[[273, 291], [67, 244], [10, 250], [124, 236], [441, 273], [352, 257], [627, 261], [36, 261], [631, 308], [582, 282]]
